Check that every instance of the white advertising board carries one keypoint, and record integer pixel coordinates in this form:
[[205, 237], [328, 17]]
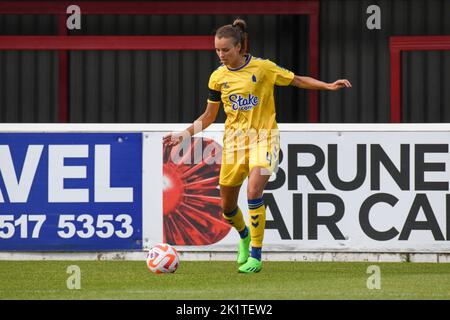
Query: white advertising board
[[339, 188], [354, 191]]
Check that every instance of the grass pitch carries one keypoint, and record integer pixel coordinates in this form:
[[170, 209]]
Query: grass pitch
[[220, 280]]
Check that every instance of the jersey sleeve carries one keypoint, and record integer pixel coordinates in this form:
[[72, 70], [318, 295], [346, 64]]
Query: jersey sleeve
[[281, 76], [214, 87]]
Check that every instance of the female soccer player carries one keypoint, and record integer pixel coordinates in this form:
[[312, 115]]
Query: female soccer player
[[245, 85]]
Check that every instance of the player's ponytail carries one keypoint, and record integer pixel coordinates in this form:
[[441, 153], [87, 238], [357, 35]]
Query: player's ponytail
[[238, 32], [242, 26]]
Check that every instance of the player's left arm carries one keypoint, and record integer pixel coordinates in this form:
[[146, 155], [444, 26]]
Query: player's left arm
[[314, 84]]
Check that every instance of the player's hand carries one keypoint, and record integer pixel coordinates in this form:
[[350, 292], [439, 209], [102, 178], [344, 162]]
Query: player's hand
[[339, 84], [174, 138]]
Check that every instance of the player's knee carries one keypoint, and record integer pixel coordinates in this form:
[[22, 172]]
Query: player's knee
[[228, 206], [254, 193]]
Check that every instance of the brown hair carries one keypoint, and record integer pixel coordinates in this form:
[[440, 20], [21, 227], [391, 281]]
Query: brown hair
[[236, 31]]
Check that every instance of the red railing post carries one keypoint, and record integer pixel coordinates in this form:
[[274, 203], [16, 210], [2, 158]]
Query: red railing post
[[398, 44], [63, 75], [313, 105]]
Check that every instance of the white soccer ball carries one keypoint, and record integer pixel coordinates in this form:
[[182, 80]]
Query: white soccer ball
[[163, 258]]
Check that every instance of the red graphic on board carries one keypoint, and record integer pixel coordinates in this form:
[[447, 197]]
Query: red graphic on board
[[191, 200]]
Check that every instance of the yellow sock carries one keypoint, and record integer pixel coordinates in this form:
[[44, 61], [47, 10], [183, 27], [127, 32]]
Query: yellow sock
[[236, 219], [257, 221]]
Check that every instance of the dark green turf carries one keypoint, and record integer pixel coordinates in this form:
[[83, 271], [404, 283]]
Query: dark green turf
[[220, 280]]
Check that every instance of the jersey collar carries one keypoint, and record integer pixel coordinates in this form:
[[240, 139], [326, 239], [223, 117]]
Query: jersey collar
[[248, 58]]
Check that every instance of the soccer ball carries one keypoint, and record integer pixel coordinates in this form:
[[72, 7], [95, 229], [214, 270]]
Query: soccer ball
[[163, 258]]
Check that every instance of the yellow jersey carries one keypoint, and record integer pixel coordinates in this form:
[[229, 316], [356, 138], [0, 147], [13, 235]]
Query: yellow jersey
[[247, 93]]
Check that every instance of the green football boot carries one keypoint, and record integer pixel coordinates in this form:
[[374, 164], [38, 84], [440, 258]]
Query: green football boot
[[252, 265], [244, 249]]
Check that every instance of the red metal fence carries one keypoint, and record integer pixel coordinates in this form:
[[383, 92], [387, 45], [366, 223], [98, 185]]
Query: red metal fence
[[64, 42]]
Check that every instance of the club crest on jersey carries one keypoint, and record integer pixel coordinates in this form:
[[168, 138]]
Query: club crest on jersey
[[241, 103]]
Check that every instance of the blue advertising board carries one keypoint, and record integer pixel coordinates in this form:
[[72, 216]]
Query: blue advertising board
[[70, 191]]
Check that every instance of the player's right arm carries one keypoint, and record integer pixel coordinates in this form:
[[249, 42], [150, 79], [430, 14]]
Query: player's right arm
[[203, 122], [208, 117]]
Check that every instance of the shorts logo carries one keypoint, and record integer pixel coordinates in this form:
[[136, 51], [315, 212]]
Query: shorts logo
[[269, 158], [244, 104]]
